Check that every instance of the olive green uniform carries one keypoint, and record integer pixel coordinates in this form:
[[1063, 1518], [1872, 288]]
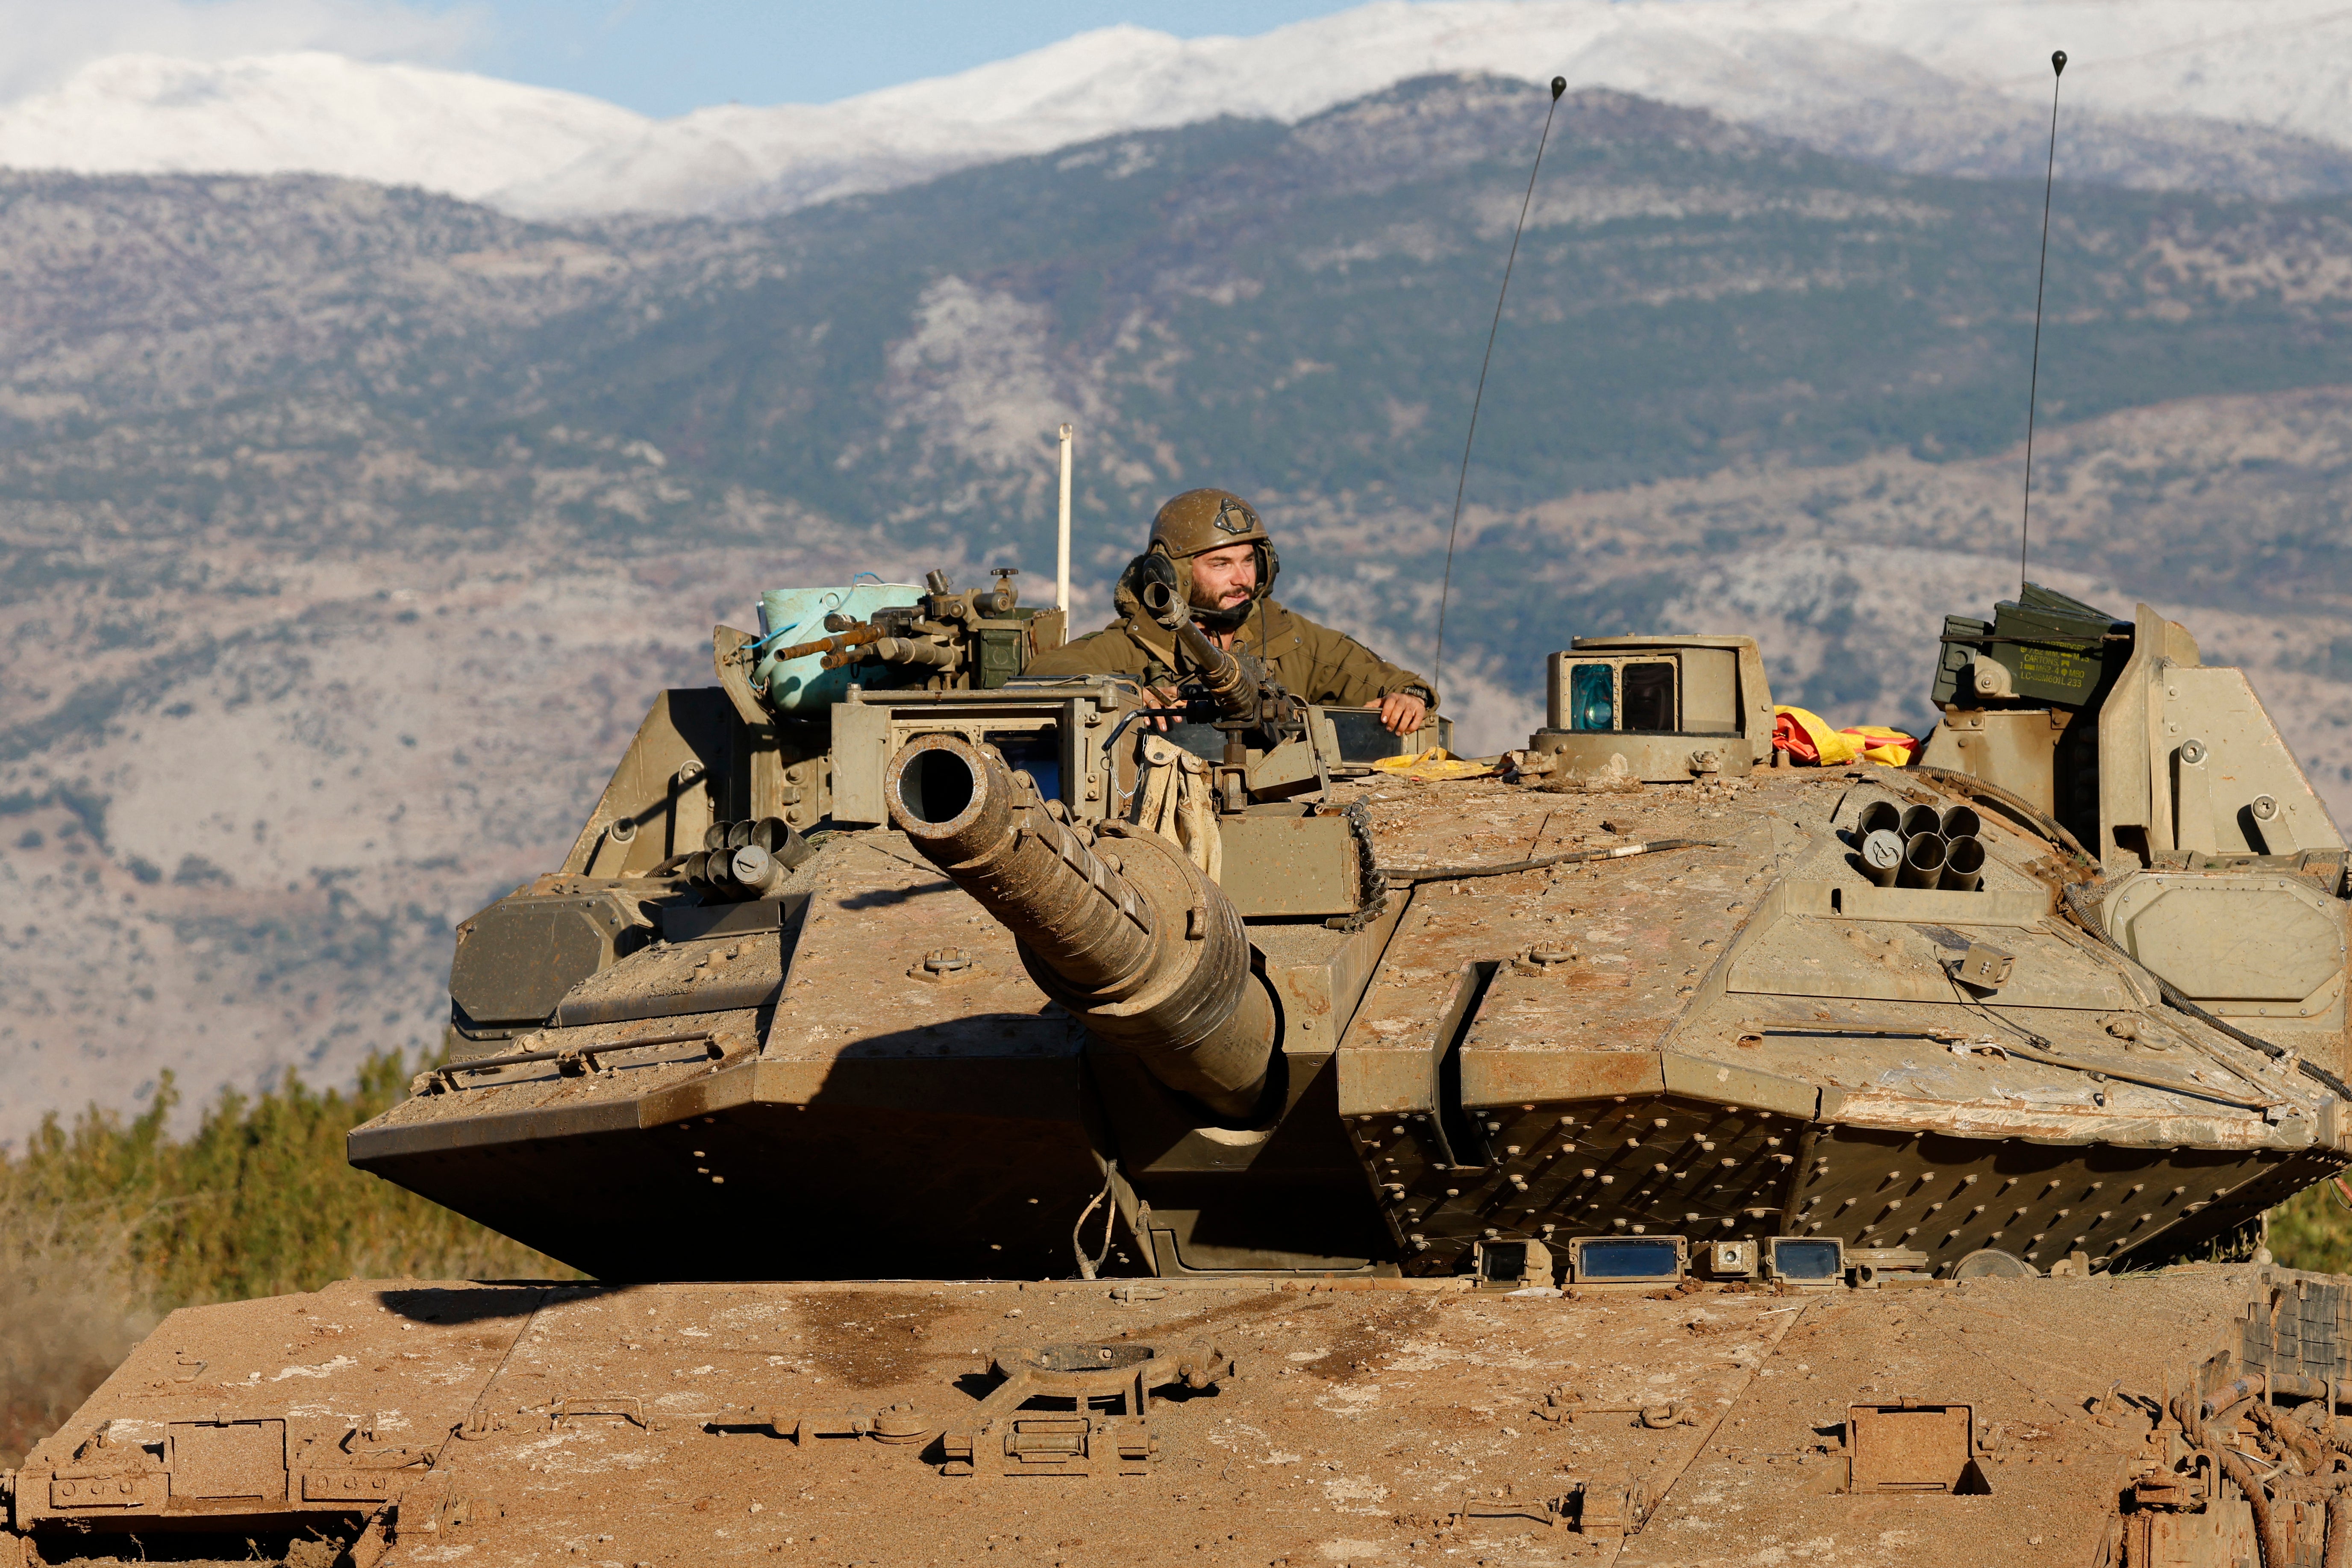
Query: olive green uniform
[[1313, 662]]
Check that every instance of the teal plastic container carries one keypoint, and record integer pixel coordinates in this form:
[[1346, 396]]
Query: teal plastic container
[[790, 616]]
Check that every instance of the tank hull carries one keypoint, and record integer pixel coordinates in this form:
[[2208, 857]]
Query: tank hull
[[1348, 1421]]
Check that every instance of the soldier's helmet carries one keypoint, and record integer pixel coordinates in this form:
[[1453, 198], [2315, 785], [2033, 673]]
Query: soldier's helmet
[[1198, 522]]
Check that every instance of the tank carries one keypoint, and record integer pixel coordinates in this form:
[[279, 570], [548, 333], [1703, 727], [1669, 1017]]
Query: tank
[[1012, 1121]]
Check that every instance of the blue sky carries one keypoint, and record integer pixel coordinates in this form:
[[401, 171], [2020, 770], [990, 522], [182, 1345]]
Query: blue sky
[[665, 56]]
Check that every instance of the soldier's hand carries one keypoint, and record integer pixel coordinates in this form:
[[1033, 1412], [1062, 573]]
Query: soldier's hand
[[1165, 697], [1401, 711]]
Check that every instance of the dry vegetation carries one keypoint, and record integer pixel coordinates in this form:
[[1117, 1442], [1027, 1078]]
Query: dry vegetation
[[107, 1225], [74, 1304]]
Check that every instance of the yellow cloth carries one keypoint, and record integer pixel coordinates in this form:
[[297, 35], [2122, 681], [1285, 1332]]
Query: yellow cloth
[[1836, 748], [1833, 749], [1436, 764], [1891, 756]]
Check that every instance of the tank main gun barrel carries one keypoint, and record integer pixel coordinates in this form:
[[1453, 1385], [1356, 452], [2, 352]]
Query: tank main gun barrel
[[1129, 935]]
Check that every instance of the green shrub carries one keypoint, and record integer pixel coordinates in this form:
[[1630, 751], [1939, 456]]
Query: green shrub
[[2313, 1230]]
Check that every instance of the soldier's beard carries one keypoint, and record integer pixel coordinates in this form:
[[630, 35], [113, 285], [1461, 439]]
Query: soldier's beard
[[1228, 619]]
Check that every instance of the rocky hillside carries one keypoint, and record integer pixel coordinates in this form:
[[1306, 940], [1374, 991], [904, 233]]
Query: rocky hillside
[[347, 530]]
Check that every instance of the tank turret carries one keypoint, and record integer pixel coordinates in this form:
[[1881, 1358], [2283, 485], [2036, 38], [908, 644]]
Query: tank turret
[[1050, 944]]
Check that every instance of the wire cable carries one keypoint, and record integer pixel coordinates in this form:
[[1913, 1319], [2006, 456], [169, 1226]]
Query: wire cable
[[1437, 670], [2077, 904], [1406, 874], [2042, 822], [2033, 380]]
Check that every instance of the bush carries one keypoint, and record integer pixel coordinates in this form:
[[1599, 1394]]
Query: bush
[[2313, 1230], [108, 1225]]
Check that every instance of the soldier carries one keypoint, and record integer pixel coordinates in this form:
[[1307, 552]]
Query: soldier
[[1213, 543]]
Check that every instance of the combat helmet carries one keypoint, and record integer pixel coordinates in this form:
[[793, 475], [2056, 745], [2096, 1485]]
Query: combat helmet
[[1198, 522]]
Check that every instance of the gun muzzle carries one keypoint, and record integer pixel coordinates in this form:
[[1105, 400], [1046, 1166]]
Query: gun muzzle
[[856, 637], [1222, 672], [1125, 933]]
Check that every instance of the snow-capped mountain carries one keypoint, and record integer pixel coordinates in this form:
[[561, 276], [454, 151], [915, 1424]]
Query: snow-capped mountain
[[2256, 95], [464, 135]]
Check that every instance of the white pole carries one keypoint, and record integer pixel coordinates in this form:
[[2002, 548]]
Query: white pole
[[1062, 535]]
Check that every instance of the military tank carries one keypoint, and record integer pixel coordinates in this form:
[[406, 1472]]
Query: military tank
[[1255, 1151]]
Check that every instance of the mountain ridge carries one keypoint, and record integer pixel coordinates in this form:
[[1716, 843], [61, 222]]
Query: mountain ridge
[[2163, 99]]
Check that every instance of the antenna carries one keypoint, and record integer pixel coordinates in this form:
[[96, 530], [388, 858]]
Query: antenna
[[2033, 383], [1437, 671], [1062, 531]]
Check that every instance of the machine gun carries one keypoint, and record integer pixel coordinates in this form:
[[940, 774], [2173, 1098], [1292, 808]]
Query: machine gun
[[1232, 692], [948, 639]]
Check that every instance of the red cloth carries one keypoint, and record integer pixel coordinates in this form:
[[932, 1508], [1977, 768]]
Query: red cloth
[[1790, 736], [1906, 745]]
